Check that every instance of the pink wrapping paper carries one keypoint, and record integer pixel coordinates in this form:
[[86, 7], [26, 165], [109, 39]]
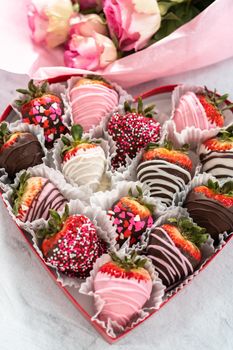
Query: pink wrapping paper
[[203, 41]]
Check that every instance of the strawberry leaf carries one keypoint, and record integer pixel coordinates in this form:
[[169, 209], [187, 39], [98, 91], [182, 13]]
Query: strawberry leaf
[[77, 132]]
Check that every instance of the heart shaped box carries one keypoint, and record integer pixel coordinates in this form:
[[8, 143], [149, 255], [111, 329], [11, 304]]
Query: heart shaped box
[[83, 302]]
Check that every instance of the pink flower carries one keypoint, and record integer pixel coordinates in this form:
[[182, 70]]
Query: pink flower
[[88, 47], [49, 21], [132, 22]]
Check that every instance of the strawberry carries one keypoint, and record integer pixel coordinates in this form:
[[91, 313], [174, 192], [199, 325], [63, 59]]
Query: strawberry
[[132, 216], [216, 154], [70, 243], [93, 80], [18, 150], [174, 249], [83, 160], [124, 285], [165, 170], [40, 107], [211, 206], [34, 196], [92, 99], [213, 106], [132, 131]]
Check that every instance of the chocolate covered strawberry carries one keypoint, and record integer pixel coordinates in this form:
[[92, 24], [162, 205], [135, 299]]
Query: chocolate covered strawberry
[[18, 150], [132, 131], [216, 154], [174, 249], [71, 243], [83, 160], [211, 206], [34, 197], [92, 98], [165, 170], [125, 286], [213, 106], [41, 107], [202, 110], [132, 216]]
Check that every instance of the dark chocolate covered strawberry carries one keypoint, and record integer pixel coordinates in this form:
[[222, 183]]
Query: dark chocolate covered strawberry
[[125, 286], [71, 244], [132, 216], [41, 107], [132, 131], [34, 197], [83, 160], [165, 170], [18, 150], [216, 154], [174, 249], [211, 206]]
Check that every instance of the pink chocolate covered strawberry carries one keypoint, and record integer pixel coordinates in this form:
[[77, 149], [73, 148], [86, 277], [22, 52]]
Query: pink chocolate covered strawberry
[[34, 197], [40, 107], [71, 244], [125, 286], [83, 160], [132, 131], [131, 216]]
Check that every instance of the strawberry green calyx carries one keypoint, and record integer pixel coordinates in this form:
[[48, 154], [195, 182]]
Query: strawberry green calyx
[[190, 231], [168, 145], [33, 91], [140, 199], [216, 100], [129, 262], [55, 223], [148, 112], [226, 189], [19, 191], [226, 134], [4, 134], [96, 77], [76, 133]]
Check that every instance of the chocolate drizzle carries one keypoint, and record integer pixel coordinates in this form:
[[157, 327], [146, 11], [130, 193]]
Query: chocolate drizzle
[[25, 152], [171, 262], [209, 213], [163, 178], [43, 202], [219, 164]]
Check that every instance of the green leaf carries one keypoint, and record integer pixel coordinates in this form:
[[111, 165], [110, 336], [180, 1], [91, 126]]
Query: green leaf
[[65, 140], [77, 132]]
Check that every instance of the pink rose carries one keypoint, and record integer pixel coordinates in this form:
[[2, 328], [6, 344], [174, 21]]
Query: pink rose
[[132, 22], [88, 47], [49, 21]]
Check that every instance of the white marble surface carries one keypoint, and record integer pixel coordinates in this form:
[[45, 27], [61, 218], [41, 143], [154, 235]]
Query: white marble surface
[[35, 314]]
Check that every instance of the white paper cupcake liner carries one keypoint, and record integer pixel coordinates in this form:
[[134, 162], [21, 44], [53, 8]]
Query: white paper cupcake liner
[[32, 129], [207, 249], [57, 89], [112, 327], [68, 191], [68, 118], [191, 135], [104, 230]]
